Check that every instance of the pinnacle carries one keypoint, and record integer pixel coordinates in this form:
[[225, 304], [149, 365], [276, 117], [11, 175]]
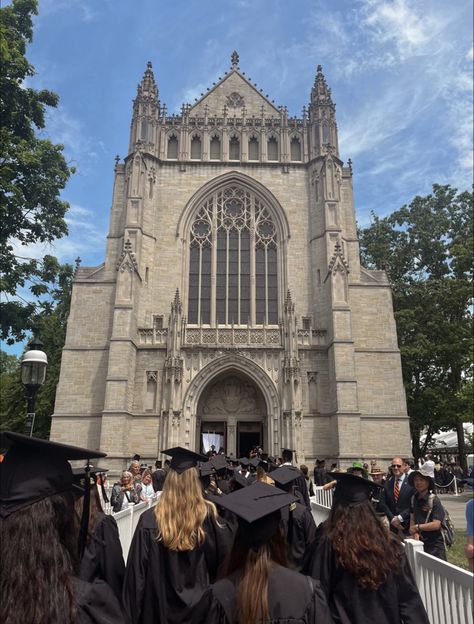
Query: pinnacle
[[234, 60], [148, 85], [321, 93], [177, 300]]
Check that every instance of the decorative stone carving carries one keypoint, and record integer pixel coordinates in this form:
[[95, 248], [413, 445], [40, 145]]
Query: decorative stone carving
[[235, 100], [151, 376], [231, 396]]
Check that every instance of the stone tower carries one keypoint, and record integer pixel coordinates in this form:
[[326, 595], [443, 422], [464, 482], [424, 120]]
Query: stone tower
[[232, 308]]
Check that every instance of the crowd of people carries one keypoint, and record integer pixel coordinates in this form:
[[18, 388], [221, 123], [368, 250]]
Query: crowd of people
[[228, 541]]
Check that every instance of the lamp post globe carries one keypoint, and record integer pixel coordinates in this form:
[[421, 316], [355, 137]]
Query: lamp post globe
[[33, 374]]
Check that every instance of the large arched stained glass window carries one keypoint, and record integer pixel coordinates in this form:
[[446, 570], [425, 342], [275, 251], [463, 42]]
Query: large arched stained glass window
[[233, 261]]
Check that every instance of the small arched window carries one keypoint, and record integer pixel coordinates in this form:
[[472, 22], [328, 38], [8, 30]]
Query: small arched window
[[234, 148], [325, 132], [215, 148], [196, 147], [253, 149], [172, 152], [295, 149], [144, 130], [272, 149]]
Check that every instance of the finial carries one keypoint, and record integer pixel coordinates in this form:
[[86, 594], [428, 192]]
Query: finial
[[176, 296], [349, 164], [78, 263], [148, 65], [319, 69], [117, 160], [234, 60], [127, 245]]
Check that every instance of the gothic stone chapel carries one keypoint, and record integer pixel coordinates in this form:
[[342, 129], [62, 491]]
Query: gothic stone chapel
[[232, 307]]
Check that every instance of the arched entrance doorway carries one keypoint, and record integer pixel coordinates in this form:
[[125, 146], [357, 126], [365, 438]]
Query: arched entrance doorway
[[231, 415], [262, 395]]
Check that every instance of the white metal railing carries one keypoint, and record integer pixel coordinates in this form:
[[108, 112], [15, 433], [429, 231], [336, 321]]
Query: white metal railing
[[127, 521], [447, 591]]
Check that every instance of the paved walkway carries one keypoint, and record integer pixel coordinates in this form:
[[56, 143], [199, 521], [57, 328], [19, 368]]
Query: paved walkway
[[456, 506]]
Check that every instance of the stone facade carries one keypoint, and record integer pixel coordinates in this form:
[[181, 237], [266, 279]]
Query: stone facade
[[232, 300]]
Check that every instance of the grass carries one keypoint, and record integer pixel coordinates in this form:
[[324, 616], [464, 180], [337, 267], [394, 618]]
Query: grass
[[456, 554]]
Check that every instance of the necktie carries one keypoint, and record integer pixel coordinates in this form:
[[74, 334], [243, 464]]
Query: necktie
[[396, 490]]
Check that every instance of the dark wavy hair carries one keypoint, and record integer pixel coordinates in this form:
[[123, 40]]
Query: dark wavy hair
[[363, 545], [37, 551], [96, 513], [254, 565]]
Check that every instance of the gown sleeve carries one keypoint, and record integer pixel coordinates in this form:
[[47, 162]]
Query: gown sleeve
[[412, 610], [97, 604], [111, 556], [209, 610], [135, 573]]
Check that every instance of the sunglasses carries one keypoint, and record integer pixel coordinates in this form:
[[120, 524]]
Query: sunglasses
[[396, 465]]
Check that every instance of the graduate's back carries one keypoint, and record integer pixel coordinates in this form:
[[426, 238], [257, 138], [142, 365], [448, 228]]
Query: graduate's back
[[176, 550]]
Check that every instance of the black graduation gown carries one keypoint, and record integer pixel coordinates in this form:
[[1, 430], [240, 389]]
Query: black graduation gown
[[158, 479], [103, 558], [396, 602], [96, 603], [293, 599], [299, 484], [163, 586], [300, 534]]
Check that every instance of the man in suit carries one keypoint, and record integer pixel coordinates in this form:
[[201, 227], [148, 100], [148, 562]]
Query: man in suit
[[396, 498]]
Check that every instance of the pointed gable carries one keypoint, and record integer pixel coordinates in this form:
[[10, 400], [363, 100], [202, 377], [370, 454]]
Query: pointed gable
[[235, 92]]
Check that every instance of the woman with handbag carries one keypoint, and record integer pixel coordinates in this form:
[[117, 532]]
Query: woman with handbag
[[427, 512], [124, 493]]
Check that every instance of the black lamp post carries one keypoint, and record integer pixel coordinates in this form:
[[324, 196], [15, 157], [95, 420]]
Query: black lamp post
[[33, 374]]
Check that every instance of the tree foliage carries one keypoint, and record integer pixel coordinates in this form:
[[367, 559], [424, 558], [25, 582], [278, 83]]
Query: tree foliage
[[427, 248], [49, 325], [33, 172]]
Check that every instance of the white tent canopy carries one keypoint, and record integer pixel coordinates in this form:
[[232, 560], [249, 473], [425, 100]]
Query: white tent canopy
[[446, 440]]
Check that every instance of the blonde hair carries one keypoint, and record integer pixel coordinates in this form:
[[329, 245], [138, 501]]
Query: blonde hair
[[182, 510], [263, 477]]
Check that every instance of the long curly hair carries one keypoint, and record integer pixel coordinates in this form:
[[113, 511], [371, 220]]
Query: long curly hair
[[254, 566], [37, 551], [182, 510], [363, 545]]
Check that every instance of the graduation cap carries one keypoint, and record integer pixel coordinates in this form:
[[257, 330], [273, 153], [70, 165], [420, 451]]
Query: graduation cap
[[244, 461], [257, 508], [285, 475], [219, 462], [351, 489], [80, 476], [240, 480], [34, 469], [182, 459], [255, 462], [205, 469]]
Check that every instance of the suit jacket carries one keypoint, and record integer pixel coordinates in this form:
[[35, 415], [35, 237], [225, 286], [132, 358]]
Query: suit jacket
[[402, 506]]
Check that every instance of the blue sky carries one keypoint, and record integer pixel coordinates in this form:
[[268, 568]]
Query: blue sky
[[400, 73]]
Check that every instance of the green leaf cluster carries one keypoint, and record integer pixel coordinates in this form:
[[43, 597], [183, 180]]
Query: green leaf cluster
[[49, 325], [427, 249], [33, 172]]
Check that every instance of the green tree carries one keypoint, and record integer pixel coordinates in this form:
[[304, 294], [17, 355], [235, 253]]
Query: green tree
[[427, 248], [33, 172], [49, 325]]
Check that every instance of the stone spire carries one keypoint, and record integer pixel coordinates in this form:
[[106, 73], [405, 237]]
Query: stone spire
[[321, 93], [146, 112], [322, 118], [147, 88]]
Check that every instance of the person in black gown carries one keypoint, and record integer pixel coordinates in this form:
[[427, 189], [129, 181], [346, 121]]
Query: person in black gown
[[298, 522], [255, 585], [38, 544], [176, 550], [361, 565], [101, 557]]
